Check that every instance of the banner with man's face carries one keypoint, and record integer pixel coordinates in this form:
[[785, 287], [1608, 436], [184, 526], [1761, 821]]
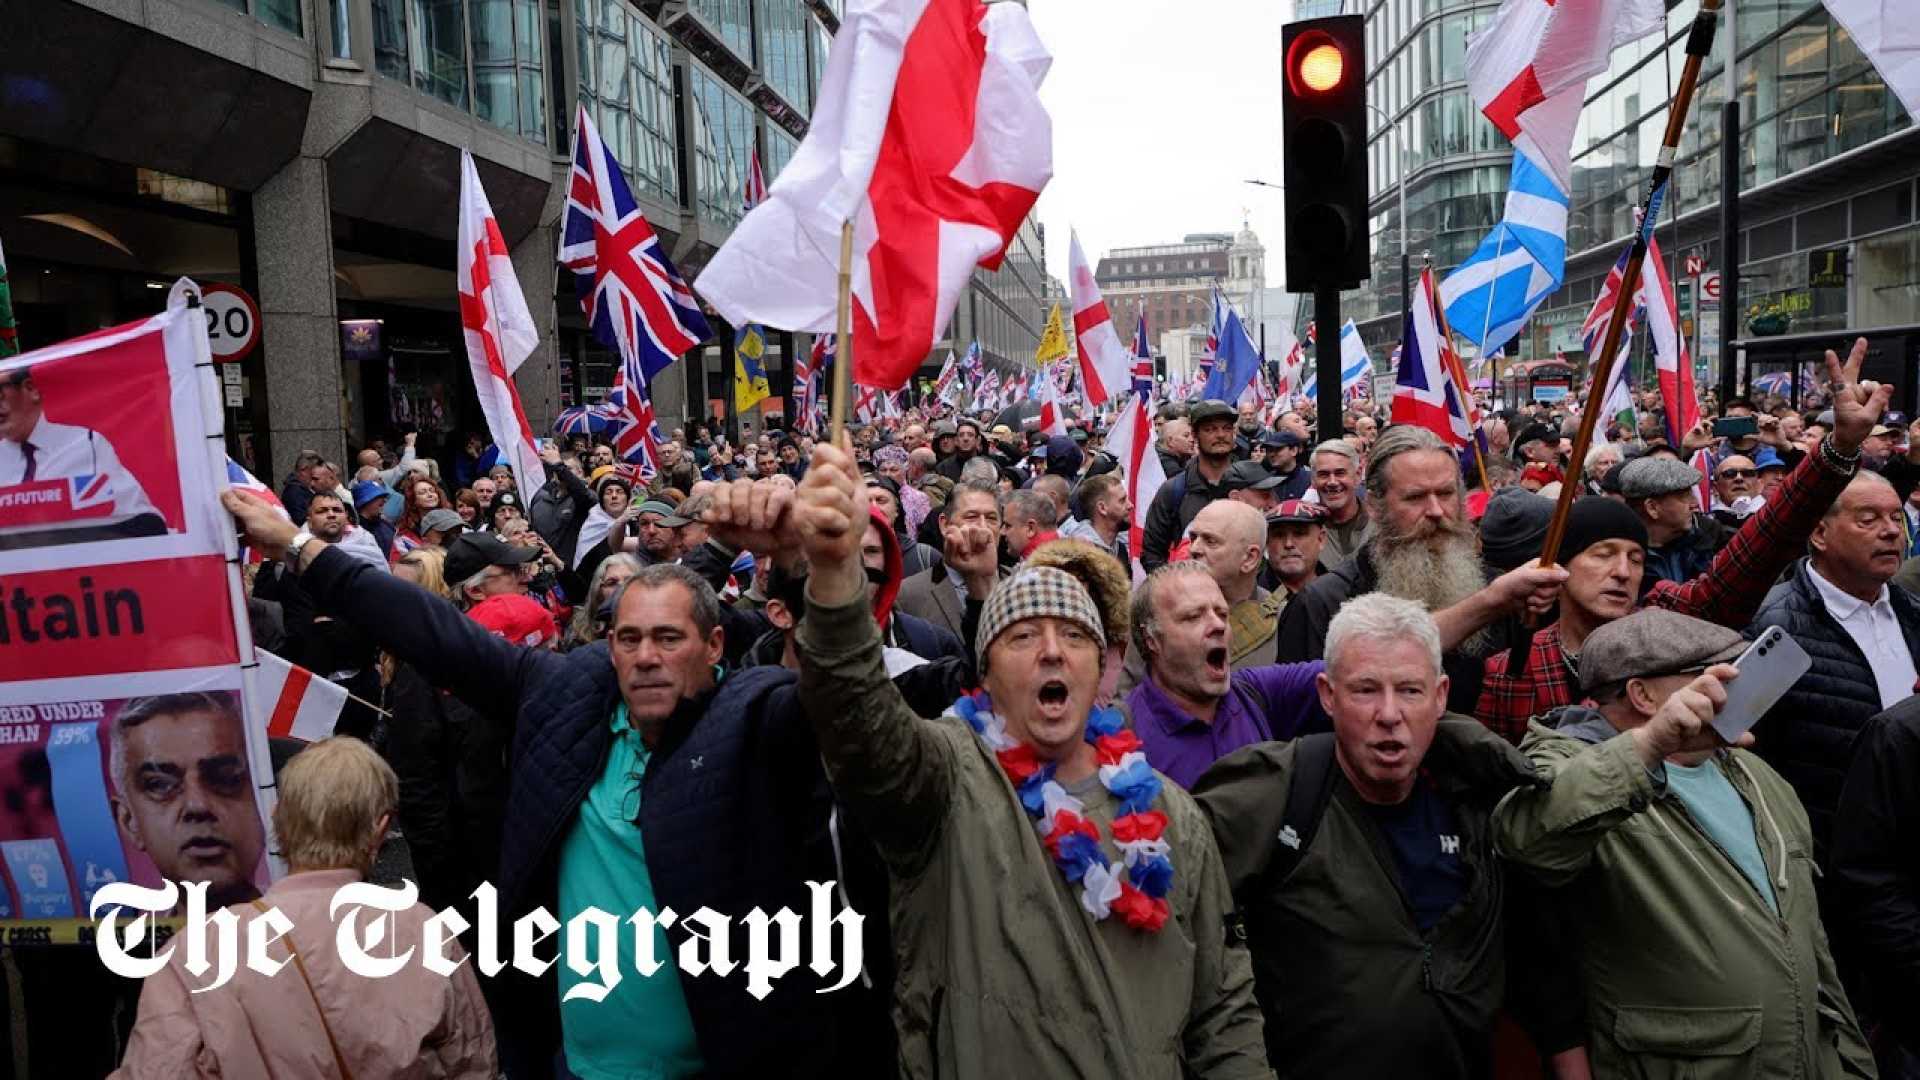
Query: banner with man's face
[[128, 750]]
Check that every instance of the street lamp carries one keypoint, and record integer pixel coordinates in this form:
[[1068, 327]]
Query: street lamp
[[1400, 136]]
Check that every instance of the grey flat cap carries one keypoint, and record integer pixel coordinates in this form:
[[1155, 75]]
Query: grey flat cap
[[440, 520], [1653, 642], [1647, 477]]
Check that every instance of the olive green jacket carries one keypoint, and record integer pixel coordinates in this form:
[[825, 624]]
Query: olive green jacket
[[1688, 972], [1001, 972]]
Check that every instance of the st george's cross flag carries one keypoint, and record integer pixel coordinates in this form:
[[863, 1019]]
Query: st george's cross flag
[[929, 137], [1134, 444], [304, 706], [498, 327], [1104, 361]]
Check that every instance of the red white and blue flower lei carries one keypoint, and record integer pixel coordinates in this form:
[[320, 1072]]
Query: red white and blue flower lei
[[1137, 893]]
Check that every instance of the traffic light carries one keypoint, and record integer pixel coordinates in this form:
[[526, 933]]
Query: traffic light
[[1323, 124]]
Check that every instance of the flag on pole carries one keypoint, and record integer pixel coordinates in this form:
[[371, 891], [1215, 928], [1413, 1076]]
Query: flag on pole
[[1053, 340], [1104, 362], [1670, 359], [9, 331], [948, 380], [498, 327], [1355, 364], [1491, 295], [305, 706], [1052, 420], [808, 371], [1425, 393], [928, 134], [1887, 33], [634, 300], [1133, 444], [1236, 360], [750, 376]]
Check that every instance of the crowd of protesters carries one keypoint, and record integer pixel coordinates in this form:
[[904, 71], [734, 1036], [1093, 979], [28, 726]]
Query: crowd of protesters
[[1318, 772]]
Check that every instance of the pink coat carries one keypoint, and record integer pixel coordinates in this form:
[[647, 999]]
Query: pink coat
[[411, 1024]]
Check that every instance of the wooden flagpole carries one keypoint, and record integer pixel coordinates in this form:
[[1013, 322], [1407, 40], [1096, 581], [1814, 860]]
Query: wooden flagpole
[[843, 340], [1699, 44]]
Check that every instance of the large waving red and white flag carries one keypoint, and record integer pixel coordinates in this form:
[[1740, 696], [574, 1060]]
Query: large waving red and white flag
[[499, 328], [305, 706], [929, 136], [1052, 420], [1528, 69], [1105, 364]]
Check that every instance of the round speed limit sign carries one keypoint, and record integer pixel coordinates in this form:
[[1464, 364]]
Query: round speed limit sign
[[233, 321]]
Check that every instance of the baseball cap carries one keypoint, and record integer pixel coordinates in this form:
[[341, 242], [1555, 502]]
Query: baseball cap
[[1297, 512], [1653, 642], [441, 520], [656, 506], [519, 619], [1210, 410], [473, 552], [1250, 475], [366, 491]]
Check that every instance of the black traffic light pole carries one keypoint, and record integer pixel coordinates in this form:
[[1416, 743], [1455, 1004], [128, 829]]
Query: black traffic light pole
[[1330, 419]]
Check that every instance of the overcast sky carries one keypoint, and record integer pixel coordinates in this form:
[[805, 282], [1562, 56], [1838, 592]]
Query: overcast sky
[[1160, 112]]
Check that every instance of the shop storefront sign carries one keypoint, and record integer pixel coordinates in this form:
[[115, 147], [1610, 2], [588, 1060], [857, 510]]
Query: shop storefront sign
[[1827, 268]]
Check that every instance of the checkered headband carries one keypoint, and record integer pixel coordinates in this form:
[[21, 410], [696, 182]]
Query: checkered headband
[[1037, 592]]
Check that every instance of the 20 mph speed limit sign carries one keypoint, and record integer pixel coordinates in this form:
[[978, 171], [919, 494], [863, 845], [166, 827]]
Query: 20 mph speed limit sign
[[233, 321]]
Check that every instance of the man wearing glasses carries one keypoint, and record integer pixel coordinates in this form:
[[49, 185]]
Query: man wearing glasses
[[1736, 489]]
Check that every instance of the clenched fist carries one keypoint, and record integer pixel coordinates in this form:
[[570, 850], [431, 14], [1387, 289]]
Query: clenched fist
[[830, 509]]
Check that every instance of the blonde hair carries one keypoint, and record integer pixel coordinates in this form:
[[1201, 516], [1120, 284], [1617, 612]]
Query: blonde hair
[[332, 796], [433, 569]]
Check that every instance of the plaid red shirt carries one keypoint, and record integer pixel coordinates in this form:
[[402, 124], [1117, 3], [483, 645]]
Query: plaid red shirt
[[1728, 593]]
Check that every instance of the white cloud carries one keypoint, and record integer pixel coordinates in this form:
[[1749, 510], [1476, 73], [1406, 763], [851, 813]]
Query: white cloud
[[1161, 112]]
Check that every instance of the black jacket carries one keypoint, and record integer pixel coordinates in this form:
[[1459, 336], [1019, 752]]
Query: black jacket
[[1874, 873], [1348, 983], [1173, 508], [1809, 736], [451, 759], [1302, 632], [556, 511], [734, 810]]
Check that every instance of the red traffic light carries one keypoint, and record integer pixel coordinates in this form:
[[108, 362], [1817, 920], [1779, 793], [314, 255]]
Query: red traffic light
[[1316, 64]]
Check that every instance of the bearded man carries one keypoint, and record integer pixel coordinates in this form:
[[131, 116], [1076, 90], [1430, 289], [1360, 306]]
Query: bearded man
[[1422, 549], [1101, 946]]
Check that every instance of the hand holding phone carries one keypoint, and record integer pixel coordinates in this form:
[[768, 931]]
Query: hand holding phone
[[1768, 669]]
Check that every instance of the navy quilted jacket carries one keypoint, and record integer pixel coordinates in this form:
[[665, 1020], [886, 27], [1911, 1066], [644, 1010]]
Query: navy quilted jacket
[[734, 809], [1809, 736]]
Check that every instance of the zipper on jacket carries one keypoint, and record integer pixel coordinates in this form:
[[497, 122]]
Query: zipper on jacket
[[1426, 966]]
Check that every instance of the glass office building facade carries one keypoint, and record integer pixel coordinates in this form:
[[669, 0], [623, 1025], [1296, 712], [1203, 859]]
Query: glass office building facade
[[1422, 122], [1828, 233]]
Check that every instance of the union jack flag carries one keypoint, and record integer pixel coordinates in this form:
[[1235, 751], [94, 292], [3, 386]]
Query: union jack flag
[[807, 373], [238, 476], [633, 297], [1142, 361]]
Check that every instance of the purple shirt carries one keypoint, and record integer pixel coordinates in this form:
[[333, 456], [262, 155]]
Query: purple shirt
[[1277, 701]]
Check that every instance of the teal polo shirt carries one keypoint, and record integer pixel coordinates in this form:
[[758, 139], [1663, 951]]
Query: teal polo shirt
[[642, 1030]]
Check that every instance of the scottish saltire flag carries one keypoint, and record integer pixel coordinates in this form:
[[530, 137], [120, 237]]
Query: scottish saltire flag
[[1355, 365], [1489, 297], [633, 298], [1424, 391]]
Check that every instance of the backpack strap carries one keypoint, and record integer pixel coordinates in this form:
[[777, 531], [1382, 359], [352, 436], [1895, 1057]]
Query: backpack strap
[[1307, 798]]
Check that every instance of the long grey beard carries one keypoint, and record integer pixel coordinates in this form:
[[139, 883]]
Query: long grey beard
[[1438, 572]]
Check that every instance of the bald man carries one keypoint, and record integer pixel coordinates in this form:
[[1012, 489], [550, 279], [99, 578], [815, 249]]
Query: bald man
[[1229, 539]]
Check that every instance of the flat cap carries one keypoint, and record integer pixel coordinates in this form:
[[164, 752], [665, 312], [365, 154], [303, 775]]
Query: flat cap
[[1203, 411], [1242, 475], [1649, 477], [1653, 642], [1275, 440]]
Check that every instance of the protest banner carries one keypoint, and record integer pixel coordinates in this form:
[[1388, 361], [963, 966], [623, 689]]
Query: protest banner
[[130, 749]]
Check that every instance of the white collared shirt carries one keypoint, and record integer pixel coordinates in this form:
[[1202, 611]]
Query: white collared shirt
[[1876, 629], [64, 451]]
